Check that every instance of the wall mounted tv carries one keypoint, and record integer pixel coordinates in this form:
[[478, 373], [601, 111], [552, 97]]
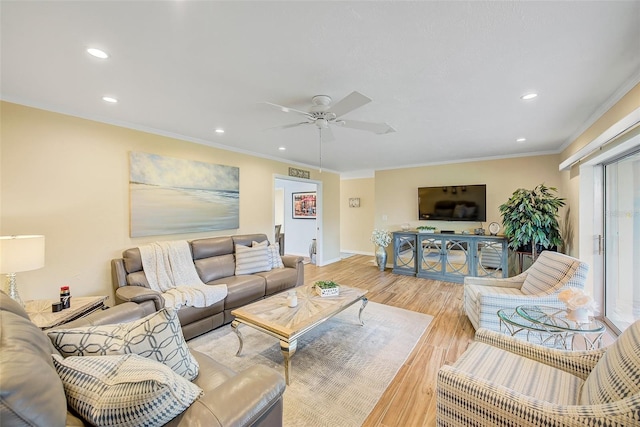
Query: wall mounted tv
[[453, 203]]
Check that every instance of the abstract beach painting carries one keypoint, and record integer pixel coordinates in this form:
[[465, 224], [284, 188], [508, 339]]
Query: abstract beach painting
[[173, 196]]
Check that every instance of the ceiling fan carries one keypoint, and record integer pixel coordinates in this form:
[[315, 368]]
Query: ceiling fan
[[324, 115]]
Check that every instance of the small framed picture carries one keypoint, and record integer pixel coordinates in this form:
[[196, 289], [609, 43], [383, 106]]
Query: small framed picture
[[304, 205], [354, 202]]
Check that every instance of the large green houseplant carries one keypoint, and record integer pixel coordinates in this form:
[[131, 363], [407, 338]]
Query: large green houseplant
[[530, 217]]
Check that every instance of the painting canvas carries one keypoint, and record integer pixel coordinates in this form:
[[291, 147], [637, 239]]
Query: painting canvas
[[304, 205], [173, 196]]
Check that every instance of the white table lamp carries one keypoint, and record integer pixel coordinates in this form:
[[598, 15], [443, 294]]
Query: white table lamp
[[17, 254]]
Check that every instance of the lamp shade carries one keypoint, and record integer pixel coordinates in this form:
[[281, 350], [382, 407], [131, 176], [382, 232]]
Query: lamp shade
[[21, 253]]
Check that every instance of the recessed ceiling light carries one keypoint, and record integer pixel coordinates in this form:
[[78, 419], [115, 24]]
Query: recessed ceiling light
[[109, 99], [282, 148], [521, 139], [528, 96], [97, 53], [219, 130]]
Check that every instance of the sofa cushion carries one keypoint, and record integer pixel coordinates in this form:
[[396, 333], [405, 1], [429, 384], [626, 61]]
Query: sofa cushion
[[157, 337], [242, 290], [279, 280], [124, 390], [252, 259], [215, 267], [31, 392], [616, 374]]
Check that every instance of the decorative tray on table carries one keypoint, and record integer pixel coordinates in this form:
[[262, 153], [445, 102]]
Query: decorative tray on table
[[327, 288]]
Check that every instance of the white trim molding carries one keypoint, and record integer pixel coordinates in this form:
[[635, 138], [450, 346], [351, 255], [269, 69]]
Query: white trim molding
[[627, 123]]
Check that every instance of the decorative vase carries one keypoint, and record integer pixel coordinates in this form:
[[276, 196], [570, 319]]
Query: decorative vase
[[579, 315], [312, 251], [381, 258]]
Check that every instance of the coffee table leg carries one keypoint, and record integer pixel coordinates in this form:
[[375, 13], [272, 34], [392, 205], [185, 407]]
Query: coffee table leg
[[364, 304], [288, 350], [235, 325]]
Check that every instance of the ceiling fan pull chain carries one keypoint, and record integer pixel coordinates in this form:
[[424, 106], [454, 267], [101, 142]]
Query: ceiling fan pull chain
[[320, 148]]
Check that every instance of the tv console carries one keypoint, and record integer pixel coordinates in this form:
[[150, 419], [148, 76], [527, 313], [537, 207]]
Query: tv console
[[449, 256]]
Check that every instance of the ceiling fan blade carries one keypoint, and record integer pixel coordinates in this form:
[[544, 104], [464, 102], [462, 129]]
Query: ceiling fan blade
[[288, 109], [349, 103], [292, 125], [327, 134], [378, 128]]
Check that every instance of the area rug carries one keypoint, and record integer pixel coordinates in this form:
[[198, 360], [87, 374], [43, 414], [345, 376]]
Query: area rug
[[340, 368]]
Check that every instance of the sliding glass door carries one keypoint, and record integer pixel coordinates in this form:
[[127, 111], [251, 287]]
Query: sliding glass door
[[621, 241]]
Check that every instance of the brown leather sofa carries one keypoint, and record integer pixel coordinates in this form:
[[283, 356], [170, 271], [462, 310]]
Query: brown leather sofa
[[31, 392], [215, 263]]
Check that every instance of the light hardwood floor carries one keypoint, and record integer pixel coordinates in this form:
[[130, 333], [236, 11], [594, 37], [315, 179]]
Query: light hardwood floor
[[410, 399]]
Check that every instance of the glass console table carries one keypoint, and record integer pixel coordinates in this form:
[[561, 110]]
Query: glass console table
[[550, 326]]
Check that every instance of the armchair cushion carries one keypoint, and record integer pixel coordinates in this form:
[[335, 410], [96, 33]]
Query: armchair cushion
[[549, 273], [124, 390], [517, 373], [157, 337]]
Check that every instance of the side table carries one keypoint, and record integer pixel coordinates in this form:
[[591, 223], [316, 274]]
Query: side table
[[550, 326], [40, 310]]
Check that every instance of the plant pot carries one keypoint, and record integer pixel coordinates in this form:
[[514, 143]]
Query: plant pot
[[381, 258]]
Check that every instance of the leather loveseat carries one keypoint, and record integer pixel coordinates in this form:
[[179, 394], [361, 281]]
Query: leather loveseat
[[32, 394], [214, 260]]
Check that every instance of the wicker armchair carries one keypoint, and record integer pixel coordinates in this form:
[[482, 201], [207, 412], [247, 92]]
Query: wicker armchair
[[538, 285], [504, 381]]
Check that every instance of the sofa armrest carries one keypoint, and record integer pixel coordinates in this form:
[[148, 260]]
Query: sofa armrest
[[292, 261], [239, 401], [121, 313], [139, 294], [578, 363]]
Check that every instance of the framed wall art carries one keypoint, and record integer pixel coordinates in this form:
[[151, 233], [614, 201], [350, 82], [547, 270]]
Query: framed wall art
[[174, 196], [304, 205]]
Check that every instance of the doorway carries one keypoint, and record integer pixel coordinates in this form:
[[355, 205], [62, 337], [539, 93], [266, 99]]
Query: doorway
[[298, 230]]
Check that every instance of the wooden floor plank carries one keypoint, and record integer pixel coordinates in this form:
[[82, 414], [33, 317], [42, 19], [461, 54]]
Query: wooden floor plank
[[410, 398]]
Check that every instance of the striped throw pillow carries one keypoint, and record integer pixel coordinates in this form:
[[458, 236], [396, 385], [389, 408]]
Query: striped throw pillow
[[124, 390], [253, 259]]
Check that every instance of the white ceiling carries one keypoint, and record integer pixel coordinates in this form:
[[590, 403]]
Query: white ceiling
[[447, 75]]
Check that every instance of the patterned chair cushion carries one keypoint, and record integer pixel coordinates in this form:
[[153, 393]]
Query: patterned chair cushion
[[124, 390], [617, 374], [516, 373], [157, 337], [252, 259], [546, 274]]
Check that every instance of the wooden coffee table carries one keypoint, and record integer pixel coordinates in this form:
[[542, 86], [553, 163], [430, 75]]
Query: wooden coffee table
[[274, 317]]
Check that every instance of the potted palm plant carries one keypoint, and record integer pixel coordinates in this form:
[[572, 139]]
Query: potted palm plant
[[530, 217]]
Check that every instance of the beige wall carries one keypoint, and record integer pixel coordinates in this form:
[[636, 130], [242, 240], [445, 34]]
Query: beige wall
[[67, 178], [356, 224], [587, 215], [396, 190]]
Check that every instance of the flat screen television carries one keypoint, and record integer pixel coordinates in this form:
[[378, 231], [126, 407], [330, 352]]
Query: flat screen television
[[453, 203]]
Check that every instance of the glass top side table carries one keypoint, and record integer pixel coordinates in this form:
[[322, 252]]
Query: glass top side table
[[550, 326]]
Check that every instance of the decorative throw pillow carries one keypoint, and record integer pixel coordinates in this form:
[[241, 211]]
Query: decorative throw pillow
[[252, 259], [274, 256], [124, 390], [157, 336]]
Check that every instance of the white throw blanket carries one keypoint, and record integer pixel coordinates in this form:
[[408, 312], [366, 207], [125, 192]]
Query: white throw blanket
[[169, 269]]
